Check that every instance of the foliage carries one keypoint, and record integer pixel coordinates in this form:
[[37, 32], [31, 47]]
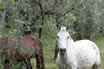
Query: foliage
[[84, 17]]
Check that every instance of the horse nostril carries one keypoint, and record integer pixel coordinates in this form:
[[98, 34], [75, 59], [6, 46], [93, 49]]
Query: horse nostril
[[62, 49]]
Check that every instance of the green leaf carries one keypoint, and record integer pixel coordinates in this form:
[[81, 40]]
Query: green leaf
[[0, 6], [12, 1]]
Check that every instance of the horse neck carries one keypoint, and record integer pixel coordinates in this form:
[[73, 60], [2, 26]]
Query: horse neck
[[63, 59], [70, 42]]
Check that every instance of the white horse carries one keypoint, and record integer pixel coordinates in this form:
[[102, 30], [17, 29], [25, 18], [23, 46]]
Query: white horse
[[82, 54]]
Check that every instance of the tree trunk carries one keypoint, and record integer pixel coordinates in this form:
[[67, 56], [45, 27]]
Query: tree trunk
[[42, 16], [0, 29], [56, 48]]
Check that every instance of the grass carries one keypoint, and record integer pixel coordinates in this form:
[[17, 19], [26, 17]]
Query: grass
[[100, 43], [49, 47]]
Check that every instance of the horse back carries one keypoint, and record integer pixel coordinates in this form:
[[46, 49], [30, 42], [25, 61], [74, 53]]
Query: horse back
[[89, 52], [89, 43], [20, 48]]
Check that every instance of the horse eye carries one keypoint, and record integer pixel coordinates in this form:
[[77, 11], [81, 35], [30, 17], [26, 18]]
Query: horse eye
[[68, 37]]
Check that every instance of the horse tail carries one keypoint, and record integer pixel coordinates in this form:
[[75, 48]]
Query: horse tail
[[98, 60], [97, 64]]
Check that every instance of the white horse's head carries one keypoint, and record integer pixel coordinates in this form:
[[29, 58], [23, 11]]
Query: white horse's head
[[62, 39]]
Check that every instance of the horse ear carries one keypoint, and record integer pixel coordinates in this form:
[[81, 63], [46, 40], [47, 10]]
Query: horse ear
[[58, 26], [67, 28]]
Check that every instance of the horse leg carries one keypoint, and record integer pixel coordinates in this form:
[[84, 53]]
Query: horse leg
[[28, 64], [74, 68], [42, 61], [96, 66], [74, 65], [7, 64], [39, 61]]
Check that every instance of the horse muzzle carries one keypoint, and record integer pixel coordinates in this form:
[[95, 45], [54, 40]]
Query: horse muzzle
[[62, 51]]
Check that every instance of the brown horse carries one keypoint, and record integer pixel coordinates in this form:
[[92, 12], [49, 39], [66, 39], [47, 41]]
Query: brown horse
[[22, 49]]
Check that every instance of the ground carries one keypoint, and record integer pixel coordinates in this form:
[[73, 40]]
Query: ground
[[49, 47]]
